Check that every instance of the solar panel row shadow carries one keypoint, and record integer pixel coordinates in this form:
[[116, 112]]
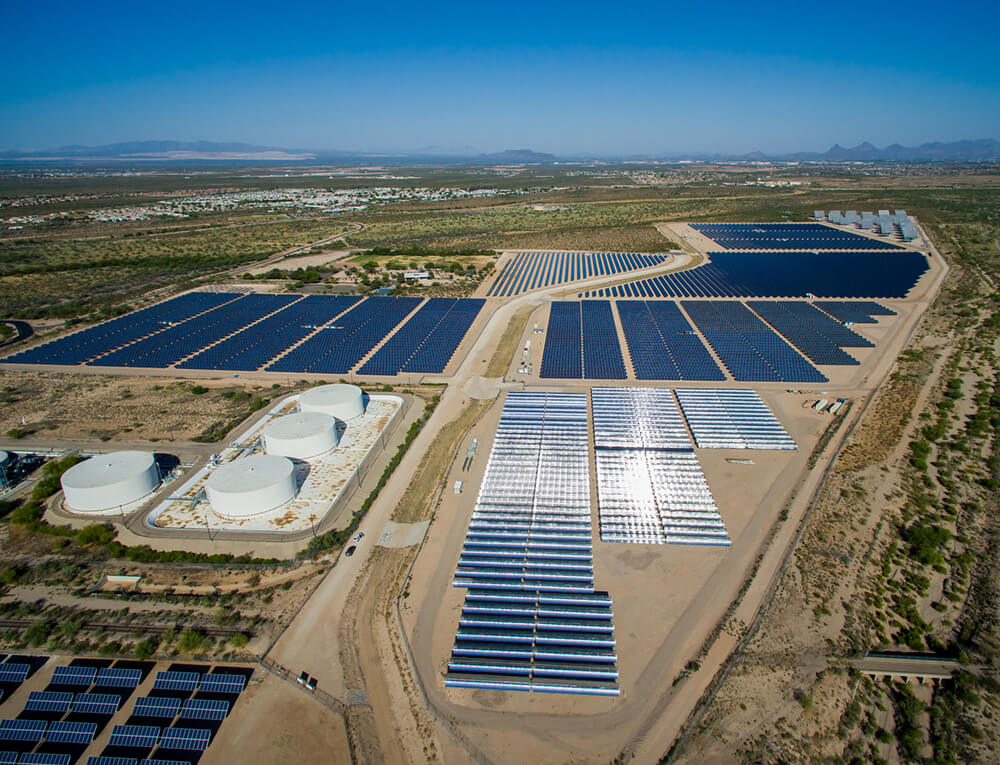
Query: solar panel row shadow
[[813, 332], [337, 347], [171, 345], [662, 344], [428, 340], [750, 350], [868, 275], [256, 345], [532, 270]]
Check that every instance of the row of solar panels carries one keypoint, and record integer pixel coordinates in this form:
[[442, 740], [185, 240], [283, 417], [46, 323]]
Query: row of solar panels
[[786, 236], [663, 345], [531, 619], [801, 274], [210, 682], [285, 333], [731, 419], [58, 702], [527, 271]]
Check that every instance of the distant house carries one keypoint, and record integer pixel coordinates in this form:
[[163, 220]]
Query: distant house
[[416, 275]]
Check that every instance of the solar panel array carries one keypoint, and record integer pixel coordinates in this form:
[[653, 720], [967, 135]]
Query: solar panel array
[[428, 340], [785, 275], [93, 341], [532, 270], [282, 333], [256, 345], [563, 354], [186, 739], [337, 347], [531, 619], [820, 338], [786, 236], [156, 706], [14, 672], [662, 344], [582, 341], [44, 758], [102, 704], [80, 733], [723, 418], [177, 342], [135, 736], [748, 348], [22, 731], [855, 311], [650, 486], [48, 701], [118, 677], [74, 675]]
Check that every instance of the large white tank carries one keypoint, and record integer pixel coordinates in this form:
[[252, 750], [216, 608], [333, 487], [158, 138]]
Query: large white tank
[[251, 485], [301, 435], [108, 481], [345, 402]]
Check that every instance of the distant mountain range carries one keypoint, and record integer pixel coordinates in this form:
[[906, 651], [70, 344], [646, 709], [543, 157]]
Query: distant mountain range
[[957, 151], [207, 151]]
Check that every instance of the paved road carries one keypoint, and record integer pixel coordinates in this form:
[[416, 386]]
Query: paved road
[[22, 331]]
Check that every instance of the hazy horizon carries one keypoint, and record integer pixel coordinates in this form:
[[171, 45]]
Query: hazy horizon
[[563, 79]]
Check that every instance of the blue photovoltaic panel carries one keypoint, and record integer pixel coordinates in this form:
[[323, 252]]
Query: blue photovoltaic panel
[[256, 345], [205, 709], [749, 348], [44, 758], [428, 340], [22, 730], [135, 736], [93, 341], [104, 704], [222, 682], [104, 760], [854, 311], [47, 701], [76, 675], [113, 677], [161, 761], [71, 732], [563, 355], [787, 236], [156, 706], [663, 344], [820, 337], [785, 275], [187, 739], [532, 270], [8, 758], [340, 345], [171, 345], [169, 680], [602, 353], [14, 672]]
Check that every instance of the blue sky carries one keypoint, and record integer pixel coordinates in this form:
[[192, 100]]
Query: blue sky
[[566, 78]]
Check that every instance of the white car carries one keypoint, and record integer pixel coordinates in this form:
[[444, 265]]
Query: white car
[[359, 536]]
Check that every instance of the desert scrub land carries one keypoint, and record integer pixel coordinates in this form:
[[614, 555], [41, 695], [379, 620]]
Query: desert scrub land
[[48, 276], [96, 407], [907, 527]]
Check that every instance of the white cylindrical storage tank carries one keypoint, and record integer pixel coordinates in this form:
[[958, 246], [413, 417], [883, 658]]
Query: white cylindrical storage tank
[[251, 485], [345, 402], [301, 435], [109, 481]]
